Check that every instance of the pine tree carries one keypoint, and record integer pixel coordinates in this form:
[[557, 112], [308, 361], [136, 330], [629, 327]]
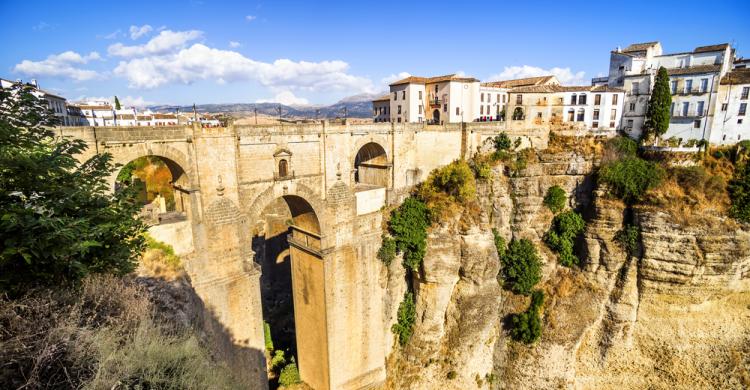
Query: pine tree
[[117, 103], [59, 220], [657, 115]]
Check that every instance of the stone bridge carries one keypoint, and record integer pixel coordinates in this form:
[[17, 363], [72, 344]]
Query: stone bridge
[[334, 179]]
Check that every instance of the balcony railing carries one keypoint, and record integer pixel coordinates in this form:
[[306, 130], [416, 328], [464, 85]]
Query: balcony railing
[[435, 102]]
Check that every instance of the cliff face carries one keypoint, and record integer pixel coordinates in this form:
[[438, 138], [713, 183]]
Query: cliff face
[[675, 314]]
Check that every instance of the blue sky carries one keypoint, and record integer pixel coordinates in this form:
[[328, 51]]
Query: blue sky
[[307, 52]]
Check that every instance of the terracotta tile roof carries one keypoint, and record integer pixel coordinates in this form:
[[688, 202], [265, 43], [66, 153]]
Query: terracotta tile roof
[[639, 46], [528, 81], [429, 80], [694, 70], [85, 107], [704, 49], [563, 88], [165, 116], [737, 76], [382, 98], [144, 117], [126, 116]]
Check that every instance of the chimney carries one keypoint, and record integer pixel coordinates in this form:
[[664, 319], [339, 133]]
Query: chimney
[[34, 83]]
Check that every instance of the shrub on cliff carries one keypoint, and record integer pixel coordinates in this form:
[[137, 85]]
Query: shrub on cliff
[[59, 221], [289, 374], [739, 193], [555, 199], [408, 226], [565, 228], [455, 180], [407, 315], [521, 266], [500, 244], [628, 239], [527, 326], [387, 251], [630, 177]]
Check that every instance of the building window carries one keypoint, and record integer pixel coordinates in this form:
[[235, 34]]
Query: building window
[[420, 109], [743, 108], [420, 96], [596, 115], [595, 125], [498, 98], [612, 125], [398, 120], [697, 123], [457, 111], [573, 99], [688, 86], [614, 99], [403, 94], [671, 110], [283, 168], [739, 121], [519, 99], [571, 115], [699, 109], [632, 106], [539, 115], [724, 106], [503, 98], [581, 114], [597, 99], [399, 109], [704, 85], [481, 97], [481, 110], [395, 96], [629, 124], [488, 109], [673, 86], [582, 99], [745, 92], [436, 89], [635, 88], [685, 108], [445, 107], [613, 114]]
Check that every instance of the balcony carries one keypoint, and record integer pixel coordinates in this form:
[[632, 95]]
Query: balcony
[[435, 103]]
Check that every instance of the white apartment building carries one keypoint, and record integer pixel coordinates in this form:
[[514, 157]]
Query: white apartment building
[[381, 109], [164, 119], [694, 81], [436, 100], [98, 113], [56, 104], [730, 123], [492, 101]]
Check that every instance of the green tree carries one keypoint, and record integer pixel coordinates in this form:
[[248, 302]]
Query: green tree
[[739, 193], [521, 266], [407, 315], [527, 326], [59, 221], [630, 177], [565, 228], [117, 103], [408, 226], [555, 199], [657, 114]]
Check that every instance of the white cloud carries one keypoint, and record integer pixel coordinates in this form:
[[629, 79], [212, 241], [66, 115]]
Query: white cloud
[[565, 75], [43, 26], [199, 62], [113, 35], [394, 77], [63, 65], [285, 97], [167, 41], [137, 32], [234, 44], [250, 18]]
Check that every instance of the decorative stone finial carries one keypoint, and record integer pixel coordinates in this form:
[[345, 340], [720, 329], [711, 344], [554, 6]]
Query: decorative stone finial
[[220, 187]]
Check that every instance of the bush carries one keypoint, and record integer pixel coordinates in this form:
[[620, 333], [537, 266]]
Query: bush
[[455, 180], [628, 239], [630, 177], [267, 336], [527, 326], [482, 169], [500, 245], [739, 193], [565, 228], [278, 360], [623, 146], [387, 251], [502, 142], [289, 374], [521, 266], [555, 199], [407, 315], [408, 226]]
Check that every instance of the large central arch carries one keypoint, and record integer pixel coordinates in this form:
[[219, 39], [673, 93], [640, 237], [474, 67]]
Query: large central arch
[[287, 241], [371, 165]]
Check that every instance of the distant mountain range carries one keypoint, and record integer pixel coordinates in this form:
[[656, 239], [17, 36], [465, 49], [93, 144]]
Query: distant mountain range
[[357, 106]]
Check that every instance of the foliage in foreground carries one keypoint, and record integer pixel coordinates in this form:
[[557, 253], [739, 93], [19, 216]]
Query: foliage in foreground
[[527, 326], [408, 226], [289, 374], [630, 177], [555, 199], [521, 266], [565, 228], [101, 335], [407, 315], [59, 222]]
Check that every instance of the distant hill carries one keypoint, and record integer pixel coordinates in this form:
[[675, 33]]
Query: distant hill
[[357, 106]]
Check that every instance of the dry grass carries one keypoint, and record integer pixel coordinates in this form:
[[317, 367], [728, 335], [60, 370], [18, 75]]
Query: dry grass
[[102, 335], [587, 146], [160, 261]]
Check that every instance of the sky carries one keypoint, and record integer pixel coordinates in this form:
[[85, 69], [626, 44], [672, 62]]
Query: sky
[[185, 52]]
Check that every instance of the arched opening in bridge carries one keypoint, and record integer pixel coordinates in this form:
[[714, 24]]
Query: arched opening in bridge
[[371, 166], [160, 186], [287, 246]]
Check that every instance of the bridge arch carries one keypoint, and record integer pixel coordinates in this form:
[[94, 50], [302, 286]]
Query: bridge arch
[[371, 165], [179, 165]]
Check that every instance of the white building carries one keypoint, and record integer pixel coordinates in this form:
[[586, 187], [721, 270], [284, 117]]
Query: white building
[[381, 109], [165, 119], [694, 81], [730, 123], [98, 113], [56, 104], [436, 100]]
